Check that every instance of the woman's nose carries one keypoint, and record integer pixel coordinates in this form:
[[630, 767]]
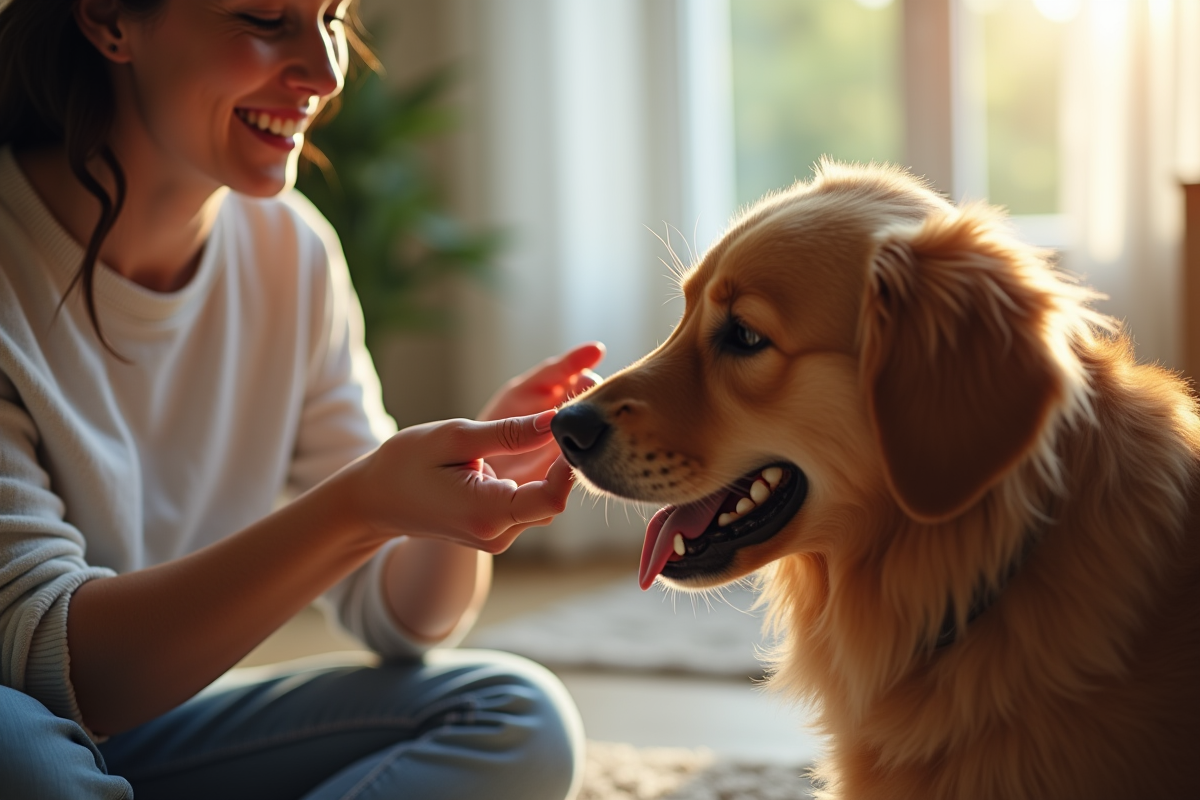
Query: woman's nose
[[317, 64]]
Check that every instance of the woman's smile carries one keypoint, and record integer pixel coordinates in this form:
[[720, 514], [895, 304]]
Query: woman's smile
[[188, 71], [277, 127]]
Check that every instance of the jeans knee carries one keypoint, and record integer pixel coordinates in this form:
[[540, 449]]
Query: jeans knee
[[556, 748], [46, 757], [547, 756]]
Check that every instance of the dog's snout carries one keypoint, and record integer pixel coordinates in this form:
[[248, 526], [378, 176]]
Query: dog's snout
[[580, 430]]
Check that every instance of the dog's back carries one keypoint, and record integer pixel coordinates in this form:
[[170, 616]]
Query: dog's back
[[1082, 678]]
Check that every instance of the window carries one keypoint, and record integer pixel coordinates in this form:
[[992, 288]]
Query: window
[[1022, 76], [813, 78], [828, 77]]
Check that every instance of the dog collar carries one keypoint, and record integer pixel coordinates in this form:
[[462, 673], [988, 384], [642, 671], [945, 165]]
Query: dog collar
[[981, 601], [984, 596]]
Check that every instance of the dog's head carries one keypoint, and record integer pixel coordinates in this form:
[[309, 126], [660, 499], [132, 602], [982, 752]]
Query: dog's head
[[853, 350]]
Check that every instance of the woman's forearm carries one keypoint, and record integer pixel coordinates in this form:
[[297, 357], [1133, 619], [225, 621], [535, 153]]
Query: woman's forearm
[[143, 642], [432, 587]]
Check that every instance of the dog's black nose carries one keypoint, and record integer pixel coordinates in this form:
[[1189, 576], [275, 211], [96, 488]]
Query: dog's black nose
[[580, 430]]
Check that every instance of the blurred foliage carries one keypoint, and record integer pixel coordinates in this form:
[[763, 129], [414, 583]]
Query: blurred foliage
[[817, 77], [380, 194], [813, 78]]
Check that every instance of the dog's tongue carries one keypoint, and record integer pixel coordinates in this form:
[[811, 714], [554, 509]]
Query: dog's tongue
[[690, 519]]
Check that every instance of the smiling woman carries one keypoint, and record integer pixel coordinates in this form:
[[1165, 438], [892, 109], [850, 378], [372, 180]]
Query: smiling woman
[[179, 343], [190, 110]]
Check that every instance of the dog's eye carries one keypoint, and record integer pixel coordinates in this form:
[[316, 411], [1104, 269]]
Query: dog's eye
[[746, 337], [742, 339]]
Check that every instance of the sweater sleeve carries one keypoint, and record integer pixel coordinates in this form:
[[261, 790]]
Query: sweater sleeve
[[342, 419], [41, 564]]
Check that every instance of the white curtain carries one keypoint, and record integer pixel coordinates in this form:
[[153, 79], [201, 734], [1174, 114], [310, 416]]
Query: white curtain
[[597, 124], [1131, 135]]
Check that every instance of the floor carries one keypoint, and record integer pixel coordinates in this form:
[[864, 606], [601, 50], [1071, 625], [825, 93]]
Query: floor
[[734, 718]]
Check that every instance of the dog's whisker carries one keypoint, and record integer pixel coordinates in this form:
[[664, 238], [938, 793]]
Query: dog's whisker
[[693, 248], [677, 267]]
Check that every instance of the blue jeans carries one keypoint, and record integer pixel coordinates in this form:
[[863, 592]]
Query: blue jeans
[[459, 724]]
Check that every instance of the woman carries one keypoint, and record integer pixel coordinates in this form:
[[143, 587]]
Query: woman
[[152, 408]]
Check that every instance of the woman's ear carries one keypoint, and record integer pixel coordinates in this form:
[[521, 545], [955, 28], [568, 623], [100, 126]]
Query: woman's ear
[[101, 23], [958, 376]]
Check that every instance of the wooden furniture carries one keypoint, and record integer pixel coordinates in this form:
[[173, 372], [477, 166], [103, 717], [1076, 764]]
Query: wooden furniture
[[1191, 283]]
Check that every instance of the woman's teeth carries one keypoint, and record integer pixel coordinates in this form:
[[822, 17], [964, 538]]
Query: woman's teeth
[[276, 125], [760, 490]]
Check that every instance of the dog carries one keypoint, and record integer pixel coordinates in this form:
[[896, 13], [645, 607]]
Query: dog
[[972, 513]]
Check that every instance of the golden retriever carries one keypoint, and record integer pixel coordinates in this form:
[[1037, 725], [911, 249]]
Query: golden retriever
[[976, 518]]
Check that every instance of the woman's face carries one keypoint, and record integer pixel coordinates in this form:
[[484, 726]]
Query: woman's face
[[225, 88]]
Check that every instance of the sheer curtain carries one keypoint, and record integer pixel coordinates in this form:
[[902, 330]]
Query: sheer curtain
[[596, 126], [1131, 135], [592, 125]]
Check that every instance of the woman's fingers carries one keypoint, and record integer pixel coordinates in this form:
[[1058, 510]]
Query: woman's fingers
[[468, 440], [501, 505], [548, 384], [559, 370], [585, 380], [585, 356], [539, 500]]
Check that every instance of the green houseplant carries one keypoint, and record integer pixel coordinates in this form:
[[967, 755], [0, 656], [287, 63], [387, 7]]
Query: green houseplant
[[376, 187]]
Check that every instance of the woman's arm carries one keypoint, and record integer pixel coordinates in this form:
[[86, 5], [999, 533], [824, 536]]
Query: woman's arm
[[143, 642], [434, 589]]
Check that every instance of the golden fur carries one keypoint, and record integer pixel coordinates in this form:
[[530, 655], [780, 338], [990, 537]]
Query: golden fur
[[950, 398]]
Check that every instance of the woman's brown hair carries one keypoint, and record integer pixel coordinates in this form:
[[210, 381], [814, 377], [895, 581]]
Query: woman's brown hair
[[55, 90]]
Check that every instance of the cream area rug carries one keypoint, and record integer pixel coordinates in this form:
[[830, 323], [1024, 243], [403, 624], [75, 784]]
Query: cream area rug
[[620, 627], [625, 772]]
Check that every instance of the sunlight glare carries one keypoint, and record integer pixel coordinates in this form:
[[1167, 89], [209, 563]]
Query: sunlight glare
[[874, 3], [1058, 10], [983, 6]]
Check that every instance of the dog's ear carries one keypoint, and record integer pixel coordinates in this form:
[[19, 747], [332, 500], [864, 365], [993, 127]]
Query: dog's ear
[[958, 374]]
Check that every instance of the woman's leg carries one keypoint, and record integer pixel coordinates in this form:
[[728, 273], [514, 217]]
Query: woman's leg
[[461, 724], [44, 757]]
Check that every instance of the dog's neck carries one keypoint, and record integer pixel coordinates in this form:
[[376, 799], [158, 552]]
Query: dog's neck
[[985, 595]]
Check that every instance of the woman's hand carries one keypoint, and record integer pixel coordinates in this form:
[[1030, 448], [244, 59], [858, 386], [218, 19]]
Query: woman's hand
[[431, 481], [548, 385]]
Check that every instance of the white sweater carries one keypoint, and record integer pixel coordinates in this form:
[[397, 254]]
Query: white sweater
[[249, 381]]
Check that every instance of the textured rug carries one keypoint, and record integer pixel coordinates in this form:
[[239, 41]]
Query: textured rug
[[622, 627], [624, 772]]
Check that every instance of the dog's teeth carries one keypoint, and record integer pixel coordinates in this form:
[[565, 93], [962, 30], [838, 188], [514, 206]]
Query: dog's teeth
[[725, 519], [745, 505], [679, 547], [773, 475], [759, 491]]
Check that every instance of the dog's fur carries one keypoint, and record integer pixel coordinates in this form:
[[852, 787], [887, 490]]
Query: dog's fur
[[966, 424]]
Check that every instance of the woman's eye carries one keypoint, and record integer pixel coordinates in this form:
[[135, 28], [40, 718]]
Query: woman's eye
[[262, 23]]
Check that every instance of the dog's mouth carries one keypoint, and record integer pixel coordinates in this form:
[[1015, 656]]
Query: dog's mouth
[[702, 537]]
